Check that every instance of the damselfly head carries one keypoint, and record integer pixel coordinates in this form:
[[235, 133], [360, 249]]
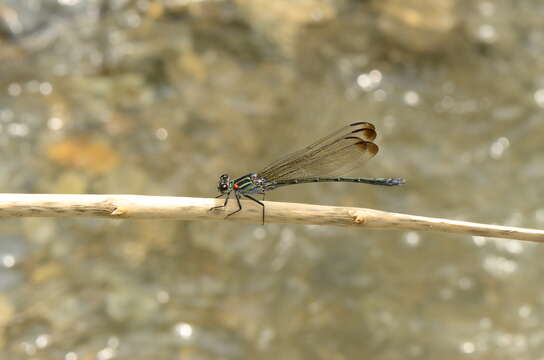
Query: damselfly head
[[224, 183]]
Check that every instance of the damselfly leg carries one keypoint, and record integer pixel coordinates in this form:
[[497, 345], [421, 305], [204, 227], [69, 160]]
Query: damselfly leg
[[237, 196], [257, 201]]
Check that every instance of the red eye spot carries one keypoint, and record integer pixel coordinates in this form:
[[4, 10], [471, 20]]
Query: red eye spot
[[235, 186]]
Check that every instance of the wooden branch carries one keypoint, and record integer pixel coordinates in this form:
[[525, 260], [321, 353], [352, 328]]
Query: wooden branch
[[184, 208]]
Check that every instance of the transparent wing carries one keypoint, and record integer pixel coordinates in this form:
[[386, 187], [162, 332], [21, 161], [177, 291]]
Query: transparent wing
[[334, 155]]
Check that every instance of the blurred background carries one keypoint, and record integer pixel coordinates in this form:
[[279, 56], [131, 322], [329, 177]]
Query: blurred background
[[161, 97]]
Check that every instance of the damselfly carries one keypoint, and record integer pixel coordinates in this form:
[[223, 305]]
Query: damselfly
[[323, 161]]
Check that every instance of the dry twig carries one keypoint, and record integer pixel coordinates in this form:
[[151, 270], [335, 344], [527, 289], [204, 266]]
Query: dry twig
[[184, 208]]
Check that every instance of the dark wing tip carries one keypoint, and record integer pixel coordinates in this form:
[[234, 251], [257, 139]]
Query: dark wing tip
[[366, 133], [366, 146], [372, 148], [363, 124]]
